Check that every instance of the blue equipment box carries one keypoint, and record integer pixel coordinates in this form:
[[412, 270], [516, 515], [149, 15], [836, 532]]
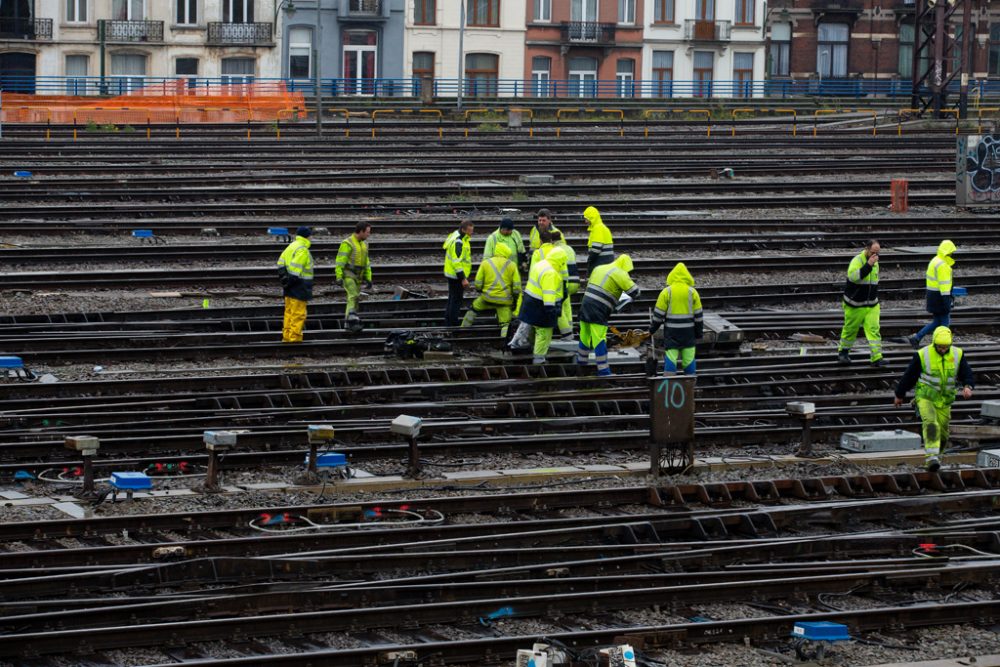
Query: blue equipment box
[[277, 231], [131, 481], [329, 460], [824, 631], [142, 233], [959, 291], [11, 362]]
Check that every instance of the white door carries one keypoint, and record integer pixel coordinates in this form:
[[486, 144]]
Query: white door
[[360, 62], [583, 14]]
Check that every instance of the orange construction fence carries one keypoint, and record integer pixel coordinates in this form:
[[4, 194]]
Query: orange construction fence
[[173, 103]]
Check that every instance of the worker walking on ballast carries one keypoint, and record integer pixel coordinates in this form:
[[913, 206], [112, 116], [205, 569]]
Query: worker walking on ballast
[[679, 306], [353, 266], [861, 306], [938, 371], [295, 272], [499, 284], [939, 298], [602, 298]]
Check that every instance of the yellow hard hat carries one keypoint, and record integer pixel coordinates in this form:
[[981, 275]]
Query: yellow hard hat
[[942, 336]]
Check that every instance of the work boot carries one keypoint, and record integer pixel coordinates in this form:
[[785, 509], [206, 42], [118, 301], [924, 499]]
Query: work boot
[[933, 464], [879, 363], [844, 358], [914, 342]]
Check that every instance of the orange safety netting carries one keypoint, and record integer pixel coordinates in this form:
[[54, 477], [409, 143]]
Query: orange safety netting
[[167, 102]]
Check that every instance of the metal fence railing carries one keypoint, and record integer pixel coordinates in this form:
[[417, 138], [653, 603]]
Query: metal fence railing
[[485, 87]]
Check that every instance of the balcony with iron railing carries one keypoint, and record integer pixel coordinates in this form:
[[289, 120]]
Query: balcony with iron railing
[[698, 30], [133, 31], [240, 34], [588, 32], [360, 10], [19, 28]]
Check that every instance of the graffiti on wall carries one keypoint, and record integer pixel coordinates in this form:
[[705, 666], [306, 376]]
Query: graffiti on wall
[[978, 170]]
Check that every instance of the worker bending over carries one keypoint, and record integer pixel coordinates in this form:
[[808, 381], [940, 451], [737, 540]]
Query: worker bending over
[[499, 284], [353, 266], [938, 371], [602, 298], [541, 301], [679, 306], [295, 272]]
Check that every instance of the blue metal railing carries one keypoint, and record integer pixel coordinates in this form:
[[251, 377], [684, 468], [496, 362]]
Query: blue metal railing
[[475, 88]]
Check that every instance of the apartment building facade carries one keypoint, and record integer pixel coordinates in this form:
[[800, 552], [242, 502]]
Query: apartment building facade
[[492, 49]]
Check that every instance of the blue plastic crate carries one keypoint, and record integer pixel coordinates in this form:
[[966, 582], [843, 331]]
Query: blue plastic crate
[[277, 231], [131, 481], [824, 631], [142, 233], [11, 362], [329, 460], [23, 174], [959, 291]]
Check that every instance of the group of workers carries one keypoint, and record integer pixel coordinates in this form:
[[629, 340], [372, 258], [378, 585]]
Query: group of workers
[[542, 308], [939, 371]]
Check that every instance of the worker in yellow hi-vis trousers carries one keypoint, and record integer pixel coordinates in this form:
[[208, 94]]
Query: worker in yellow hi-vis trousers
[[295, 271]]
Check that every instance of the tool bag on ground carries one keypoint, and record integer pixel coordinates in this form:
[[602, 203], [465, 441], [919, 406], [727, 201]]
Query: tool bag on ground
[[409, 345]]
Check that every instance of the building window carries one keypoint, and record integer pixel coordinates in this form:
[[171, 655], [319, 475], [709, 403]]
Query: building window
[[237, 11], [626, 12], [995, 49], [481, 73], [543, 11], [541, 75], [663, 11], [77, 69], [129, 70], [423, 65], [127, 10], [744, 12], [360, 54], [76, 11], [704, 64], [484, 13], [831, 50], [187, 12], [424, 12], [663, 73], [300, 53], [625, 77], [583, 77], [743, 74], [186, 67], [781, 46], [237, 70], [704, 10], [906, 38]]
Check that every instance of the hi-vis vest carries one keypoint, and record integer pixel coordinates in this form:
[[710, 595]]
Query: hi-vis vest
[[296, 259], [545, 284], [353, 256], [495, 280], [939, 276], [453, 263], [938, 374]]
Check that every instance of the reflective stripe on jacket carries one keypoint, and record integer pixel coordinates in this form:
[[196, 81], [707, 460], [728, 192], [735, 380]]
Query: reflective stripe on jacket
[[861, 288], [353, 257], [512, 241], [939, 283], [604, 289], [679, 306], [498, 280], [938, 374], [544, 289], [295, 267], [457, 263]]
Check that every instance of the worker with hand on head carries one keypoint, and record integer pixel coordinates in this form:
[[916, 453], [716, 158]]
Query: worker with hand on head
[[353, 265], [499, 284], [679, 306], [295, 273], [601, 298], [861, 306], [544, 222], [937, 371]]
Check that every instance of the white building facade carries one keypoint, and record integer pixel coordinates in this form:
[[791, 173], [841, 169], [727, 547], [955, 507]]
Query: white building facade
[[703, 48], [493, 44]]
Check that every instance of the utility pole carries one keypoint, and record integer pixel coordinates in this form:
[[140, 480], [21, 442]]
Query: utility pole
[[934, 49], [319, 59], [461, 50]]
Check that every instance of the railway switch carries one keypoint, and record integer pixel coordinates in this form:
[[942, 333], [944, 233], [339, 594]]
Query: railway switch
[[216, 442], [880, 441], [409, 428], [87, 445], [129, 482]]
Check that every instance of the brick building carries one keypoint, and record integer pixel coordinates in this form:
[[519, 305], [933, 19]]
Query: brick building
[[865, 39], [572, 45]]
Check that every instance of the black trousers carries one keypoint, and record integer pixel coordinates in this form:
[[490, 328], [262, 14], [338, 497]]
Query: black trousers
[[453, 309]]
